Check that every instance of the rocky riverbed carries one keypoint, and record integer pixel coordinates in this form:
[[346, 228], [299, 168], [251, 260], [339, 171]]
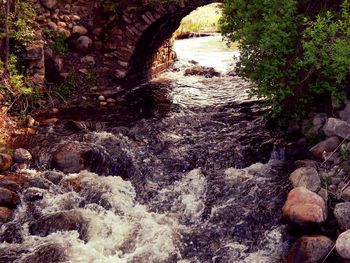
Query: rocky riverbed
[[179, 172]]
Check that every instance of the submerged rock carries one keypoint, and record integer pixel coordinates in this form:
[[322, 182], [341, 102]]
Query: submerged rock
[[310, 249], [307, 177], [342, 214], [60, 221], [202, 71], [304, 207], [343, 245]]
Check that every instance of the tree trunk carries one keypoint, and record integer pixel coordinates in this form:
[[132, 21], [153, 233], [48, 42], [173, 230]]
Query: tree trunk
[[7, 37]]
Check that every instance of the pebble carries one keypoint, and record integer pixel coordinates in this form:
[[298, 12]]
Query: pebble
[[101, 98]]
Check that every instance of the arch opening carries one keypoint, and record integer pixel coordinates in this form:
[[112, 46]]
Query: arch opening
[[141, 67]]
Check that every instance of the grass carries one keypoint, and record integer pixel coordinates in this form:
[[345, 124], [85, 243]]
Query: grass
[[203, 20]]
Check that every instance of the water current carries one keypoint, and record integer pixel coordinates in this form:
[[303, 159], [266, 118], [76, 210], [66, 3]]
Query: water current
[[184, 171]]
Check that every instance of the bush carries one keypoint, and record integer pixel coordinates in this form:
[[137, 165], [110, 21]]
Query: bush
[[295, 51]]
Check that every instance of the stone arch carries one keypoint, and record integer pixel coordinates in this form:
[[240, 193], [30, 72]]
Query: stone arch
[[142, 33]]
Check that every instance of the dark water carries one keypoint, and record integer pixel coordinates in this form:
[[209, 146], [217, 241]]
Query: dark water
[[181, 172]]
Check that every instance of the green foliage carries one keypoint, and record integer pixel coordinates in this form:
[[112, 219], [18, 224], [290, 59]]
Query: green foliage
[[59, 45], [204, 19], [65, 89], [294, 57]]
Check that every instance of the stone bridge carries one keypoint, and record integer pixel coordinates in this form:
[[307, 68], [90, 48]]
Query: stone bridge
[[140, 33]]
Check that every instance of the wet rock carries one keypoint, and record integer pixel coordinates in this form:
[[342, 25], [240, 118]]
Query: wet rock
[[208, 72], [307, 177], [5, 214], [345, 114], [305, 163], [54, 177], [74, 157], [6, 162], [337, 127], [79, 30], [33, 194], [328, 145], [70, 158], [48, 253], [310, 249], [8, 198], [342, 245], [60, 221], [304, 207], [342, 214], [21, 155], [75, 125], [49, 4], [14, 182]]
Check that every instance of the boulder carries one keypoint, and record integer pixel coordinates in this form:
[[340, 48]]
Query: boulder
[[342, 214], [319, 119], [70, 158], [345, 114], [60, 221], [342, 245], [310, 249], [88, 60], [21, 155], [303, 207], [336, 127], [49, 4], [329, 145], [208, 72], [34, 52], [305, 163], [83, 44], [345, 195], [79, 30], [6, 162], [8, 198], [5, 214], [307, 177]]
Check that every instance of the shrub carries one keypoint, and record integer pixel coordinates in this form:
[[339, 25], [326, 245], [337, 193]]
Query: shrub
[[295, 51]]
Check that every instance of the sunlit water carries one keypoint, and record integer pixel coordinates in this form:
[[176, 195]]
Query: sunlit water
[[211, 51], [188, 179]]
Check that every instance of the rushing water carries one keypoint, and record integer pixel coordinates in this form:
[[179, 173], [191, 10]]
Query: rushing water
[[186, 177]]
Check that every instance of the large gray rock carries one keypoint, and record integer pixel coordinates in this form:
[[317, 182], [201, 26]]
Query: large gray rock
[[342, 214], [83, 44], [304, 207], [345, 114], [342, 245], [328, 145], [307, 177], [49, 4], [310, 249], [336, 127]]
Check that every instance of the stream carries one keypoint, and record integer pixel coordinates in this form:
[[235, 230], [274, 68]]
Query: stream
[[185, 170]]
